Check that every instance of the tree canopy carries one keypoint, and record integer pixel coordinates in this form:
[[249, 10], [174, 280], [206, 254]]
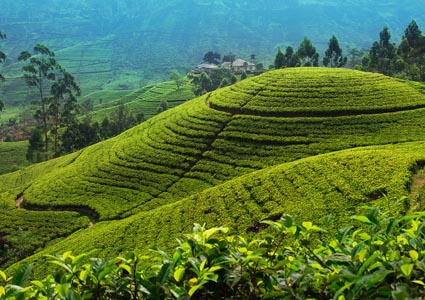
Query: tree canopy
[[307, 53], [382, 55], [56, 88], [212, 57], [333, 55], [279, 61]]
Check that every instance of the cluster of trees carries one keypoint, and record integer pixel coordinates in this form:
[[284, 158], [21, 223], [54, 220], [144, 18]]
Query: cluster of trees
[[59, 130], [407, 60], [207, 82], [307, 56], [80, 134]]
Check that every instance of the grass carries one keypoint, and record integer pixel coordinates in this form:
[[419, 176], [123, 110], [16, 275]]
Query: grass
[[224, 159], [13, 156]]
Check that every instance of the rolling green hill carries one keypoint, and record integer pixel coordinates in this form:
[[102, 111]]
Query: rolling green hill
[[234, 156]]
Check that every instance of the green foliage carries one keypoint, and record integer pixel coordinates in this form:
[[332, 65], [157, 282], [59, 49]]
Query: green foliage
[[382, 55], [279, 60], [381, 257], [12, 156], [35, 147], [307, 53], [333, 55], [212, 57], [56, 90], [177, 78], [412, 51], [82, 134]]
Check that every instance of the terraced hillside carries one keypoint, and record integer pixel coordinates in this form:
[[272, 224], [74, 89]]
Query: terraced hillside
[[335, 184], [155, 180], [145, 100]]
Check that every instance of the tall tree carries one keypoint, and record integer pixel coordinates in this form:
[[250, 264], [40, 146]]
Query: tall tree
[[56, 89], [40, 72], [2, 59], [382, 55], [333, 55], [35, 147], [291, 58], [279, 61], [307, 53], [63, 107], [252, 58]]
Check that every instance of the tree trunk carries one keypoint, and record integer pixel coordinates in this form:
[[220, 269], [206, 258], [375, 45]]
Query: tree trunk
[[44, 119]]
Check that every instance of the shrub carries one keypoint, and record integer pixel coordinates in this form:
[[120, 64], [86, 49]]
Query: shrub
[[379, 257]]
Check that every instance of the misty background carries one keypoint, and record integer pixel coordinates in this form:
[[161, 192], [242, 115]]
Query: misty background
[[126, 44]]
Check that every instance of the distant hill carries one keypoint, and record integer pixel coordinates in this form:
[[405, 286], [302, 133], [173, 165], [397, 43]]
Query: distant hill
[[117, 44], [235, 156]]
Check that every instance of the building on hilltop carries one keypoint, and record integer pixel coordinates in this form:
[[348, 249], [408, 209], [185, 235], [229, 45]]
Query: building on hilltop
[[239, 65], [205, 68]]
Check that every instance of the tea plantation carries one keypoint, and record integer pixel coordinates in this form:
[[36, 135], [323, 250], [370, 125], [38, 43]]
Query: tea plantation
[[255, 150], [13, 156]]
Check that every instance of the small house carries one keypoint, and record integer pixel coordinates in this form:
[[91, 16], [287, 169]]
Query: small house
[[239, 65]]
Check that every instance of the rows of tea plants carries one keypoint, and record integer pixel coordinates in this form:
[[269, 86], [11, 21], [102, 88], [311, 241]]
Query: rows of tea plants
[[336, 184], [128, 171], [13, 156], [254, 141], [146, 100], [319, 91], [24, 232], [196, 146]]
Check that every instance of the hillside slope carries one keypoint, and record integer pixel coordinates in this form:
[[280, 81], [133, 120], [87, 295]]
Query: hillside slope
[[335, 185], [278, 117]]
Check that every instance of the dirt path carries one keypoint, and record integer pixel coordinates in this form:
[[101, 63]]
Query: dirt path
[[417, 189], [19, 201]]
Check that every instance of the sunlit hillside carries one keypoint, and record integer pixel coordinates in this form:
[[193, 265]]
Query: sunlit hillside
[[235, 156]]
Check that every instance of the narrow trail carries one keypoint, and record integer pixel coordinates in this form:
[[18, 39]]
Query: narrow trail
[[417, 189], [84, 211]]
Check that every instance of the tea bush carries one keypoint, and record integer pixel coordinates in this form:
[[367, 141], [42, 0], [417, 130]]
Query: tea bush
[[378, 257]]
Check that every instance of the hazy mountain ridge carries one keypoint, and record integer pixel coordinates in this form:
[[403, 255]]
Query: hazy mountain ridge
[[133, 43]]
